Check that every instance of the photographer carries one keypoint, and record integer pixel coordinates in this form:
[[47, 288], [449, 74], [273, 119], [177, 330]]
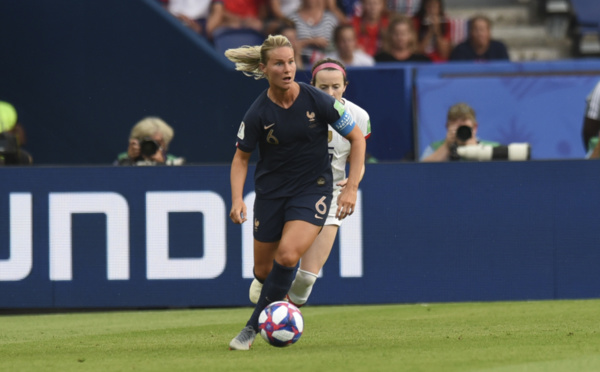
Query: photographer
[[148, 144], [461, 130], [12, 136]]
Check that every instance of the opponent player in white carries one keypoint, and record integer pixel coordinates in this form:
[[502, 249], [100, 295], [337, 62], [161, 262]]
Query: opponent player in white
[[328, 75]]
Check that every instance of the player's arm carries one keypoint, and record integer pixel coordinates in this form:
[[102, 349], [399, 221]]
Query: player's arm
[[239, 171], [343, 182], [348, 195]]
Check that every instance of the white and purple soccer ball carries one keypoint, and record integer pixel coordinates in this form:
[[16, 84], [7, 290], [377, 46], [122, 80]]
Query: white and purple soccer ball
[[281, 324]]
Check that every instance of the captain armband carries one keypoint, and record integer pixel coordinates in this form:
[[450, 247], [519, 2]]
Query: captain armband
[[344, 124]]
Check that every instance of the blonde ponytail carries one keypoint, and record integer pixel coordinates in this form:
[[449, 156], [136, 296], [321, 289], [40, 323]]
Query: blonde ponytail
[[248, 58]]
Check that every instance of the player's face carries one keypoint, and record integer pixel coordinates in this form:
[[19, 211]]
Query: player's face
[[280, 68], [331, 82]]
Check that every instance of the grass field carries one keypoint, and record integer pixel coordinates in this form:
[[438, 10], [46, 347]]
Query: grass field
[[496, 336]]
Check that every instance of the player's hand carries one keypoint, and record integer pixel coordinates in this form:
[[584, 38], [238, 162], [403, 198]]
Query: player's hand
[[238, 212], [342, 183], [346, 203]]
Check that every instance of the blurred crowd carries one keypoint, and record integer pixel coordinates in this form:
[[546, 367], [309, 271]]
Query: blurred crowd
[[356, 32]]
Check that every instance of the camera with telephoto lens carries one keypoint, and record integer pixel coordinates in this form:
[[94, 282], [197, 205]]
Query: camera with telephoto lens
[[480, 152], [148, 147], [9, 149], [463, 133]]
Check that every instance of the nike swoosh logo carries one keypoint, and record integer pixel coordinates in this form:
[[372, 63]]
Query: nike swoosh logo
[[318, 217], [268, 126]]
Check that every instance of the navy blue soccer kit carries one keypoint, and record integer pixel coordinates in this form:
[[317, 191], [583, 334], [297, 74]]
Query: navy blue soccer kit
[[293, 177]]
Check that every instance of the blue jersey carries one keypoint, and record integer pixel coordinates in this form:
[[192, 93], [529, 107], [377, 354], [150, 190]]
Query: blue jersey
[[292, 143]]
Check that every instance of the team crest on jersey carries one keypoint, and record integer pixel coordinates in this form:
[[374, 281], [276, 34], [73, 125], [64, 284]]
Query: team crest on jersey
[[329, 136], [256, 223], [310, 116], [241, 131]]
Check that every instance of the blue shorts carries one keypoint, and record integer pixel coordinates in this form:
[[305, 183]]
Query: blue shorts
[[271, 214]]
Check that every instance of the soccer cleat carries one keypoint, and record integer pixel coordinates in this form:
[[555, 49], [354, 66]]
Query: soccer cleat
[[243, 340], [255, 289]]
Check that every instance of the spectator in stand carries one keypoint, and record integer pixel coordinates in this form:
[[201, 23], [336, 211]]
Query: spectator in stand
[[400, 43], [591, 124], [433, 30], [461, 130], [12, 137], [405, 7], [315, 25], [148, 144], [202, 16], [349, 8], [340, 14], [346, 49], [479, 45], [288, 29], [245, 14], [371, 25], [280, 10]]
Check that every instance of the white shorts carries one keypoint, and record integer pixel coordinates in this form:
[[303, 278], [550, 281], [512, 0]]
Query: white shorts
[[331, 218]]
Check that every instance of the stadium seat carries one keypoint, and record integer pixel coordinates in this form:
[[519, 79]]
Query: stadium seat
[[225, 38], [587, 33]]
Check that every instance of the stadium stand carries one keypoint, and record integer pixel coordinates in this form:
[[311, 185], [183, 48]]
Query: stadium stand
[[529, 33], [225, 38], [586, 27]]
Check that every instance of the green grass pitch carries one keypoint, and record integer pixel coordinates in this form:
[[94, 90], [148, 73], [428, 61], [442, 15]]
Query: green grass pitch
[[494, 336]]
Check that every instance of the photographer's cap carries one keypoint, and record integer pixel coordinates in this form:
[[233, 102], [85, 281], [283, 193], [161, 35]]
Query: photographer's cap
[[8, 116]]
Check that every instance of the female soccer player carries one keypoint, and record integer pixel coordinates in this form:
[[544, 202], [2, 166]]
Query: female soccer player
[[293, 179], [328, 75]]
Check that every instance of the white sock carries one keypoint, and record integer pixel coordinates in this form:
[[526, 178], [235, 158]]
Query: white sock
[[302, 286]]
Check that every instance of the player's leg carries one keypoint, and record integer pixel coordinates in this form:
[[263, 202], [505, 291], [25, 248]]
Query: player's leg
[[296, 239], [244, 340], [304, 217], [310, 265], [263, 262], [255, 288], [314, 259], [269, 217]]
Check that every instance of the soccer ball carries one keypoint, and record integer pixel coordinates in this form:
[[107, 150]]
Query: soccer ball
[[281, 324]]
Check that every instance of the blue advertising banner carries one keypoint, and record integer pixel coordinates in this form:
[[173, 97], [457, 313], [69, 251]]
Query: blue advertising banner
[[111, 237]]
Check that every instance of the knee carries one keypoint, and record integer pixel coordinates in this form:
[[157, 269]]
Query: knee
[[287, 258]]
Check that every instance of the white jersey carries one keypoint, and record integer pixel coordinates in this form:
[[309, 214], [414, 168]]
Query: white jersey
[[592, 110], [339, 147]]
